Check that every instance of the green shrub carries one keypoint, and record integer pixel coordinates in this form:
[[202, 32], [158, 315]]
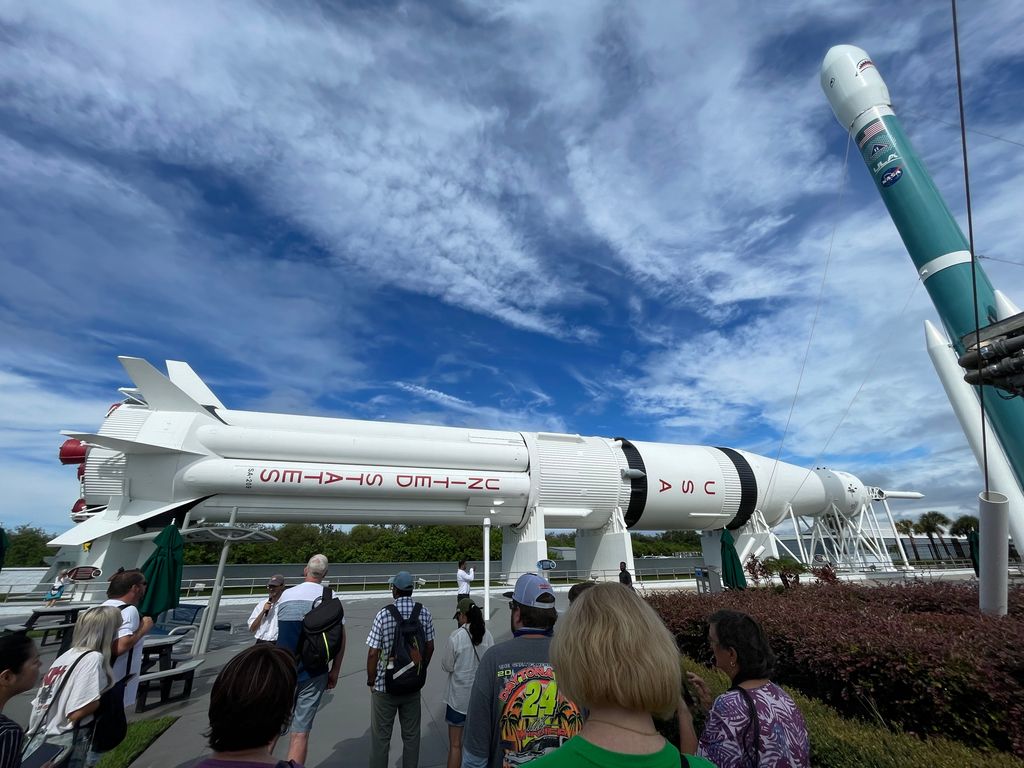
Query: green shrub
[[837, 742], [918, 658]]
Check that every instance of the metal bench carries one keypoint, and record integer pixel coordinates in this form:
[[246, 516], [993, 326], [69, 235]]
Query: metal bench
[[184, 672]]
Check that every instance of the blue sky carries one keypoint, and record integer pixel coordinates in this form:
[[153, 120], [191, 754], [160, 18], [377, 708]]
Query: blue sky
[[600, 218]]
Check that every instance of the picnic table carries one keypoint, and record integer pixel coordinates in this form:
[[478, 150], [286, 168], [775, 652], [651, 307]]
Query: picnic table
[[56, 621], [157, 649]]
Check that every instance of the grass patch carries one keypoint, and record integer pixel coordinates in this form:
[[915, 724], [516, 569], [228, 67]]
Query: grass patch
[[140, 735]]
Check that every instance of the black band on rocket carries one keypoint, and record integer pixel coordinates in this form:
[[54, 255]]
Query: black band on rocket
[[637, 485], [748, 488]]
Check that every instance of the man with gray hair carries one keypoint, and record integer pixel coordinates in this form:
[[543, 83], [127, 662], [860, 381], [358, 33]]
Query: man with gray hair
[[292, 607]]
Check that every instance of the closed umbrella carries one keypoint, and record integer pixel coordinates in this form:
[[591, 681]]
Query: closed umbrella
[[972, 544], [163, 573], [732, 568]]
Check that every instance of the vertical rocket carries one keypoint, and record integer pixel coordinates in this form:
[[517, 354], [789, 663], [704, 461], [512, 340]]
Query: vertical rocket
[[936, 244]]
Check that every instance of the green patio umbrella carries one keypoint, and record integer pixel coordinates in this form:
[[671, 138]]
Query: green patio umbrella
[[163, 573], [732, 568], [972, 544]]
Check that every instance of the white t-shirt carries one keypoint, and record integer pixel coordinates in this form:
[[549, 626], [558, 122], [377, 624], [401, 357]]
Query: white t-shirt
[[130, 620], [267, 629], [460, 662], [465, 579], [84, 687]]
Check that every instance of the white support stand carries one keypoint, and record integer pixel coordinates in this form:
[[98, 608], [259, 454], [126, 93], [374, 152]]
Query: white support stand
[[599, 552], [487, 569], [711, 547], [523, 546], [993, 555], [756, 539]]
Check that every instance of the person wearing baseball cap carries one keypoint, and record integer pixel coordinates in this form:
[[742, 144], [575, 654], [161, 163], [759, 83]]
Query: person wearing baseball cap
[[515, 710], [385, 701], [263, 619]]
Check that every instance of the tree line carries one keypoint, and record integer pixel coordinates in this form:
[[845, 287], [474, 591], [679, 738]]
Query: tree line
[[932, 524], [362, 544]]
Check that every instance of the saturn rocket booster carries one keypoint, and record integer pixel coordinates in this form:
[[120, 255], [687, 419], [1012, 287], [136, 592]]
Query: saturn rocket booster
[[171, 447], [937, 246]]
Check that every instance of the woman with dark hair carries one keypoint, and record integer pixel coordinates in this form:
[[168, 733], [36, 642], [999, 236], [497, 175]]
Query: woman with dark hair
[[754, 723], [19, 671], [462, 653], [250, 706]]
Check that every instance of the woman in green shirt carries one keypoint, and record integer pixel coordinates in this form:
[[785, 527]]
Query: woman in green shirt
[[613, 656]]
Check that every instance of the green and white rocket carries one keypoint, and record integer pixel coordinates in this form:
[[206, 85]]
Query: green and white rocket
[[936, 245]]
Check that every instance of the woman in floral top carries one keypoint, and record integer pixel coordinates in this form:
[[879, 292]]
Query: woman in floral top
[[755, 723]]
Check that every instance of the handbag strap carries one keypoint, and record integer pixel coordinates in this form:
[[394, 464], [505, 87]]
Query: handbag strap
[[755, 721], [56, 697], [471, 644]]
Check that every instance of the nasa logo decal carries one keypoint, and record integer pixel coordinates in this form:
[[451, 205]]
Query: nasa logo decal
[[891, 176]]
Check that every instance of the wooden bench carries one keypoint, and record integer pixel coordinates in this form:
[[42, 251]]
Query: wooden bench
[[185, 672]]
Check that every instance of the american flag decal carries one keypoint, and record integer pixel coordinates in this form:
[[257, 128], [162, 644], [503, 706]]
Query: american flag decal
[[872, 130]]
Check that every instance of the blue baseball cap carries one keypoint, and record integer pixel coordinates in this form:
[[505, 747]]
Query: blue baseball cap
[[402, 580]]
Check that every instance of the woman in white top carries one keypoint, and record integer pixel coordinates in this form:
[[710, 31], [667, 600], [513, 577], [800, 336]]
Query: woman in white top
[[462, 653], [70, 691]]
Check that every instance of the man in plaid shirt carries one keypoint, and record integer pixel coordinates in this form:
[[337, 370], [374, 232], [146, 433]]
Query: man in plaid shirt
[[383, 705]]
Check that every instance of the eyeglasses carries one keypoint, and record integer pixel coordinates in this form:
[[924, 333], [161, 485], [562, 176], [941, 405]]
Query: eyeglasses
[[275, 586], [512, 604]]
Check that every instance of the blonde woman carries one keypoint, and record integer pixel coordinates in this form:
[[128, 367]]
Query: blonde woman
[[70, 692], [614, 657]]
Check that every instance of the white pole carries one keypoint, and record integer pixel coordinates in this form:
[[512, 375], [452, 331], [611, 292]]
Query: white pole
[[487, 569], [202, 640], [895, 534], [993, 554]]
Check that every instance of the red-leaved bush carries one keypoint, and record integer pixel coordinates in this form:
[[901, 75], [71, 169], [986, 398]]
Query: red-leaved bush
[[920, 656]]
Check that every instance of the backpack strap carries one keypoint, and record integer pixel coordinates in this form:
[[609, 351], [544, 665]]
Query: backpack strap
[[416, 612], [128, 665]]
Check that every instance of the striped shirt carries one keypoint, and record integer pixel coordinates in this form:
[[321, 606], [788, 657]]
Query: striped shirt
[[11, 737]]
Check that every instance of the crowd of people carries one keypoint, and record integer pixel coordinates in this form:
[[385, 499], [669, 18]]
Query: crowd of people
[[589, 693]]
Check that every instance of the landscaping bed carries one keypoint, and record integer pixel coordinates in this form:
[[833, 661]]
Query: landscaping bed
[[918, 658]]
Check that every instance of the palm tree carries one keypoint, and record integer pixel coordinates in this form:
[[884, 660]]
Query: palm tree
[[930, 524], [962, 526], [906, 527]]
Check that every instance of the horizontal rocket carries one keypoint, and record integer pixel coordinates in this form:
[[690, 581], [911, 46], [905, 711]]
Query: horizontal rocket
[[172, 447]]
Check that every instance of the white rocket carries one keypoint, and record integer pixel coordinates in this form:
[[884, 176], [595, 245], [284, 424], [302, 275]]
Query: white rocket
[[172, 447]]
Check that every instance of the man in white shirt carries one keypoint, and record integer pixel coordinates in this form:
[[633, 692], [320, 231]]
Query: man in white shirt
[[263, 619], [127, 588], [464, 578]]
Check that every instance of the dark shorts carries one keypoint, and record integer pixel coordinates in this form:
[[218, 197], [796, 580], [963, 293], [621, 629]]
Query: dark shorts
[[454, 718]]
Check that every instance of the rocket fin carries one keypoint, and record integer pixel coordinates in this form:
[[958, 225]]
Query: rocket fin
[[161, 393], [124, 446], [182, 376], [113, 519]]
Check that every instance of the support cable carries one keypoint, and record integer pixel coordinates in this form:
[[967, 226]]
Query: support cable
[[970, 238]]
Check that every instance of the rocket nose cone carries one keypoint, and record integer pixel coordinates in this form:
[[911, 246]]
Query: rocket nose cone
[[852, 83]]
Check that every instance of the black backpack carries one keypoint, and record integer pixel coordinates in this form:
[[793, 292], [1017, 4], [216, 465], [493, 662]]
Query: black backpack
[[322, 630], [406, 670]]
